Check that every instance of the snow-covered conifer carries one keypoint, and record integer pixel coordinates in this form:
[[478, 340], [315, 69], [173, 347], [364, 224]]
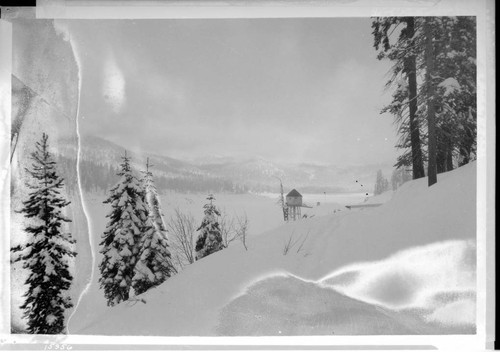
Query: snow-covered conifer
[[154, 265], [210, 237], [48, 249], [442, 52], [121, 239], [381, 184], [153, 200]]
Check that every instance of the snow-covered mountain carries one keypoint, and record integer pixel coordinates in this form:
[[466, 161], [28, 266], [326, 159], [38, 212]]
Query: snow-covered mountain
[[103, 152], [308, 177], [254, 174]]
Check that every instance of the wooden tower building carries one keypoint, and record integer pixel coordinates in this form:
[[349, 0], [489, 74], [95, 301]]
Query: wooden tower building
[[294, 203]]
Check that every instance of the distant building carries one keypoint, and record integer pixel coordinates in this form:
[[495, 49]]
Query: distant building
[[294, 198], [294, 203]]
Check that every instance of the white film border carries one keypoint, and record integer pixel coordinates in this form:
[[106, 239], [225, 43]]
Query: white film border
[[484, 12]]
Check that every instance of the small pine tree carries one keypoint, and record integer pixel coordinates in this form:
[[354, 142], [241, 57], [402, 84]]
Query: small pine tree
[[381, 183], [154, 265], [48, 249], [121, 239], [210, 238]]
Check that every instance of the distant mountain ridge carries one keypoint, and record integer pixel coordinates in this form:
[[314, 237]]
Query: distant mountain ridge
[[238, 175]]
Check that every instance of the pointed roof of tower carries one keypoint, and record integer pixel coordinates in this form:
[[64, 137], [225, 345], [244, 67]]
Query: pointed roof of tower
[[294, 193]]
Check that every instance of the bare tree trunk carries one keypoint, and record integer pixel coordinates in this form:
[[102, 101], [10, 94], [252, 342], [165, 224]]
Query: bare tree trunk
[[441, 149], [411, 71], [449, 157], [441, 160], [431, 118], [282, 202], [466, 145]]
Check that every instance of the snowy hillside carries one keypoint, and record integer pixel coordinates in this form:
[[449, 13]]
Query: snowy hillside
[[406, 267], [254, 174], [105, 152]]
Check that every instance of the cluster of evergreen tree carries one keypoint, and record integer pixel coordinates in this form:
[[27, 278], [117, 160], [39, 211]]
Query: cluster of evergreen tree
[[434, 101], [210, 238], [134, 244], [48, 249]]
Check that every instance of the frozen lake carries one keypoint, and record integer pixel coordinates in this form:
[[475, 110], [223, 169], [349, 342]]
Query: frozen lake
[[262, 210], [342, 199]]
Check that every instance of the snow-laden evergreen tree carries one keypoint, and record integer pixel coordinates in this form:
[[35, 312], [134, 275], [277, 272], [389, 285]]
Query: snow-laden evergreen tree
[[120, 243], [210, 237], [154, 265], [403, 51], [48, 250], [436, 115], [153, 200]]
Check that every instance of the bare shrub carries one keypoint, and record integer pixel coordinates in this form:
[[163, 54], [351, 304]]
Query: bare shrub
[[234, 228], [242, 229], [182, 229], [292, 242]]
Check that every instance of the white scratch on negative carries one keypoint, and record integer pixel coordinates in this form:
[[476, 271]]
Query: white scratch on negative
[[84, 207]]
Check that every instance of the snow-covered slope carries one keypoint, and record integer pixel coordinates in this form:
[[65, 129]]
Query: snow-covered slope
[[407, 266], [287, 305], [380, 198]]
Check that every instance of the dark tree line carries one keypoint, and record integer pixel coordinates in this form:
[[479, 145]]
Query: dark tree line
[[95, 177], [199, 184], [433, 78], [98, 177]]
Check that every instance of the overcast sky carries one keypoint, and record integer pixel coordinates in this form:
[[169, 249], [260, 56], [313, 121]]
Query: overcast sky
[[289, 90]]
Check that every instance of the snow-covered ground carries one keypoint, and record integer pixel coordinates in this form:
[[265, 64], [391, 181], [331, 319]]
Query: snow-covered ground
[[406, 267], [379, 198], [263, 214]]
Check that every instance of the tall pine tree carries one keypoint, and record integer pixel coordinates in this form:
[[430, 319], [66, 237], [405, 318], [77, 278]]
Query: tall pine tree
[[154, 265], [431, 108], [442, 52], [210, 238], [404, 53], [48, 249], [121, 239]]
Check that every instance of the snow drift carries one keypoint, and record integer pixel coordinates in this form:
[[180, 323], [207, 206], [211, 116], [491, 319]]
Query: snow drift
[[406, 267]]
